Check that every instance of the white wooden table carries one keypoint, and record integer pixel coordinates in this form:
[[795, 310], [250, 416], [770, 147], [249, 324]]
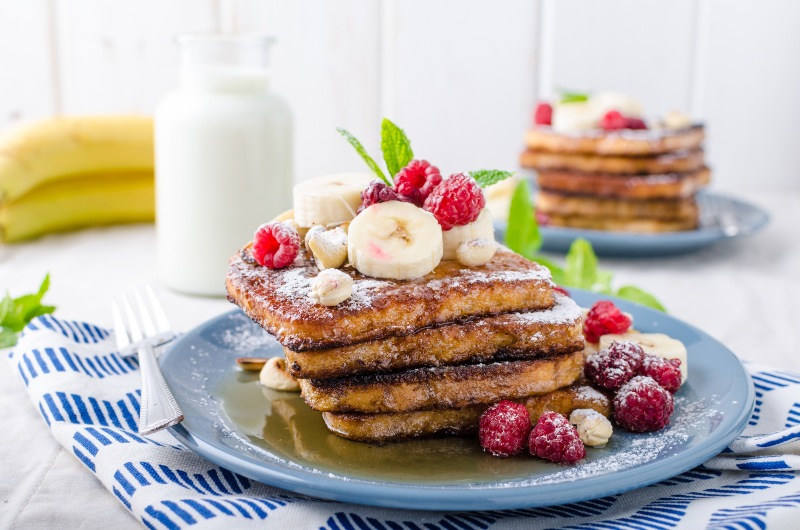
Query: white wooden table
[[743, 293]]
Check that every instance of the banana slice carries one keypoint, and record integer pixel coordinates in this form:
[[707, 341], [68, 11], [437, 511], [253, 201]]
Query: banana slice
[[480, 228], [654, 344], [394, 240], [329, 198], [574, 117], [606, 101]]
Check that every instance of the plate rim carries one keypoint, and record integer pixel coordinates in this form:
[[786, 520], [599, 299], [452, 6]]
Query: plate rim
[[465, 497]]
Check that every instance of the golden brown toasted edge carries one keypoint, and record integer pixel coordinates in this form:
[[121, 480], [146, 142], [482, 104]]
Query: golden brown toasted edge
[[639, 226], [442, 387], [624, 142], [671, 162], [396, 426], [277, 299], [665, 186], [511, 336], [550, 202]]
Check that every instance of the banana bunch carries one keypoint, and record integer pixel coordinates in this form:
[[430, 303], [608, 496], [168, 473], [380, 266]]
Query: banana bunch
[[73, 172]]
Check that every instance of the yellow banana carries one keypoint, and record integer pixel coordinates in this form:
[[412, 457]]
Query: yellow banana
[[77, 202], [61, 148]]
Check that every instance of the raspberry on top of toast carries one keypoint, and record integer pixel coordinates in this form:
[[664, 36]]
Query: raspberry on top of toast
[[277, 298]]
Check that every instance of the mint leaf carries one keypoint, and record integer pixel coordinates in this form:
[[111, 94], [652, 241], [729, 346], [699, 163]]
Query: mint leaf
[[363, 153], [396, 147], [568, 96], [634, 294], [8, 338], [522, 232], [487, 177], [5, 307], [581, 270]]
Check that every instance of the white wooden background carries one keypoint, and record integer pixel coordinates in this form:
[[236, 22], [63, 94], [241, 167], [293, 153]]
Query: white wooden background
[[461, 76]]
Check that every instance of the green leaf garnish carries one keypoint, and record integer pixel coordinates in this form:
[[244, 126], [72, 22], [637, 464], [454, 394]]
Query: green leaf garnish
[[581, 270], [15, 313], [522, 232], [567, 96], [487, 177], [396, 147], [634, 294], [363, 153]]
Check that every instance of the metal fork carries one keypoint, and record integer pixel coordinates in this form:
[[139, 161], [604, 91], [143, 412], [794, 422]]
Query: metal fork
[[158, 408], [721, 214]]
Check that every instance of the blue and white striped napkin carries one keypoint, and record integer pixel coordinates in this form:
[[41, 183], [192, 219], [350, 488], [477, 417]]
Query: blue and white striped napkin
[[89, 396]]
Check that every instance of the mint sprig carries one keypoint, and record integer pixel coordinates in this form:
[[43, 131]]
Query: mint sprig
[[581, 267], [397, 153], [487, 177], [364, 155], [15, 313], [568, 96], [396, 147]]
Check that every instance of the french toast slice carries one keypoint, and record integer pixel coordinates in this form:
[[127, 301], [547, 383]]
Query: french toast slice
[[394, 426], [510, 336], [624, 142], [443, 387], [549, 202], [670, 162], [654, 186], [277, 299], [639, 226]]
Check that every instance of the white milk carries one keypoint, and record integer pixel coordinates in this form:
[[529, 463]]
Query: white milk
[[223, 161]]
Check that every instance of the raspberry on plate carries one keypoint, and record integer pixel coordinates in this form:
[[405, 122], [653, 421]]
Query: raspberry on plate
[[642, 405], [458, 200], [612, 369], [543, 115], [554, 438], [635, 123], [665, 372], [376, 192], [275, 245], [629, 350], [605, 318], [613, 121], [417, 180], [504, 428]]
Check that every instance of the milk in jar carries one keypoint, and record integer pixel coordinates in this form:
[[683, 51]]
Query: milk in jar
[[223, 145]]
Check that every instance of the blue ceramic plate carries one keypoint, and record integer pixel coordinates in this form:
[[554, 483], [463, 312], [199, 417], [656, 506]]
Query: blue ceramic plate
[[273, 438], [722, 218]]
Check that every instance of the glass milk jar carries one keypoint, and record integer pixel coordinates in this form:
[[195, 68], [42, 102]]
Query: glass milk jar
[[223, 146]]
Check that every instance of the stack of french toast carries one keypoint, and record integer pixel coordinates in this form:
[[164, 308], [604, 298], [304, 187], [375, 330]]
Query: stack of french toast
[[601, 166], [402, 359]]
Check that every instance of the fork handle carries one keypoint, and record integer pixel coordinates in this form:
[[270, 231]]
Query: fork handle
[[158, 408]]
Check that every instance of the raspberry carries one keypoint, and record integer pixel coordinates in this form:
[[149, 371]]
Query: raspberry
[[642, 405], [628, 350], [635, 123], [543, 115], [416, 181], [604, 318], [275, 245], [561, 290], [554, 438], [613, 121], [504, 428], [542, 218], [376, 192], [456, 201], [665, 372], [611, 370]]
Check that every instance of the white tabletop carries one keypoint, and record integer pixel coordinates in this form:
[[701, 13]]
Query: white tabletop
[[740, 292]]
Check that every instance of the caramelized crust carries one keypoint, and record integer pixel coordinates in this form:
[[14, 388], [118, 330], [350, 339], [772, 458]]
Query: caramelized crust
[[672, 162], [670, 185], [277, 299], [395, 426], [549, 203], [624, 142], [504, 337], [442, 387]]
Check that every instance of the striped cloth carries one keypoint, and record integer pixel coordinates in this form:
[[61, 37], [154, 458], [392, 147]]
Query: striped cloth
[[89, 396]]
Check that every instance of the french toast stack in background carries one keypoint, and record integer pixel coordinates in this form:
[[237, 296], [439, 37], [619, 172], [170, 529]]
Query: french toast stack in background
[[408, 358], [600, 166]]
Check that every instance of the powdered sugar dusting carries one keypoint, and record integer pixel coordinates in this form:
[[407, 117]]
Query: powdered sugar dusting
[[587, 393], [564, 311], [363, 293]]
